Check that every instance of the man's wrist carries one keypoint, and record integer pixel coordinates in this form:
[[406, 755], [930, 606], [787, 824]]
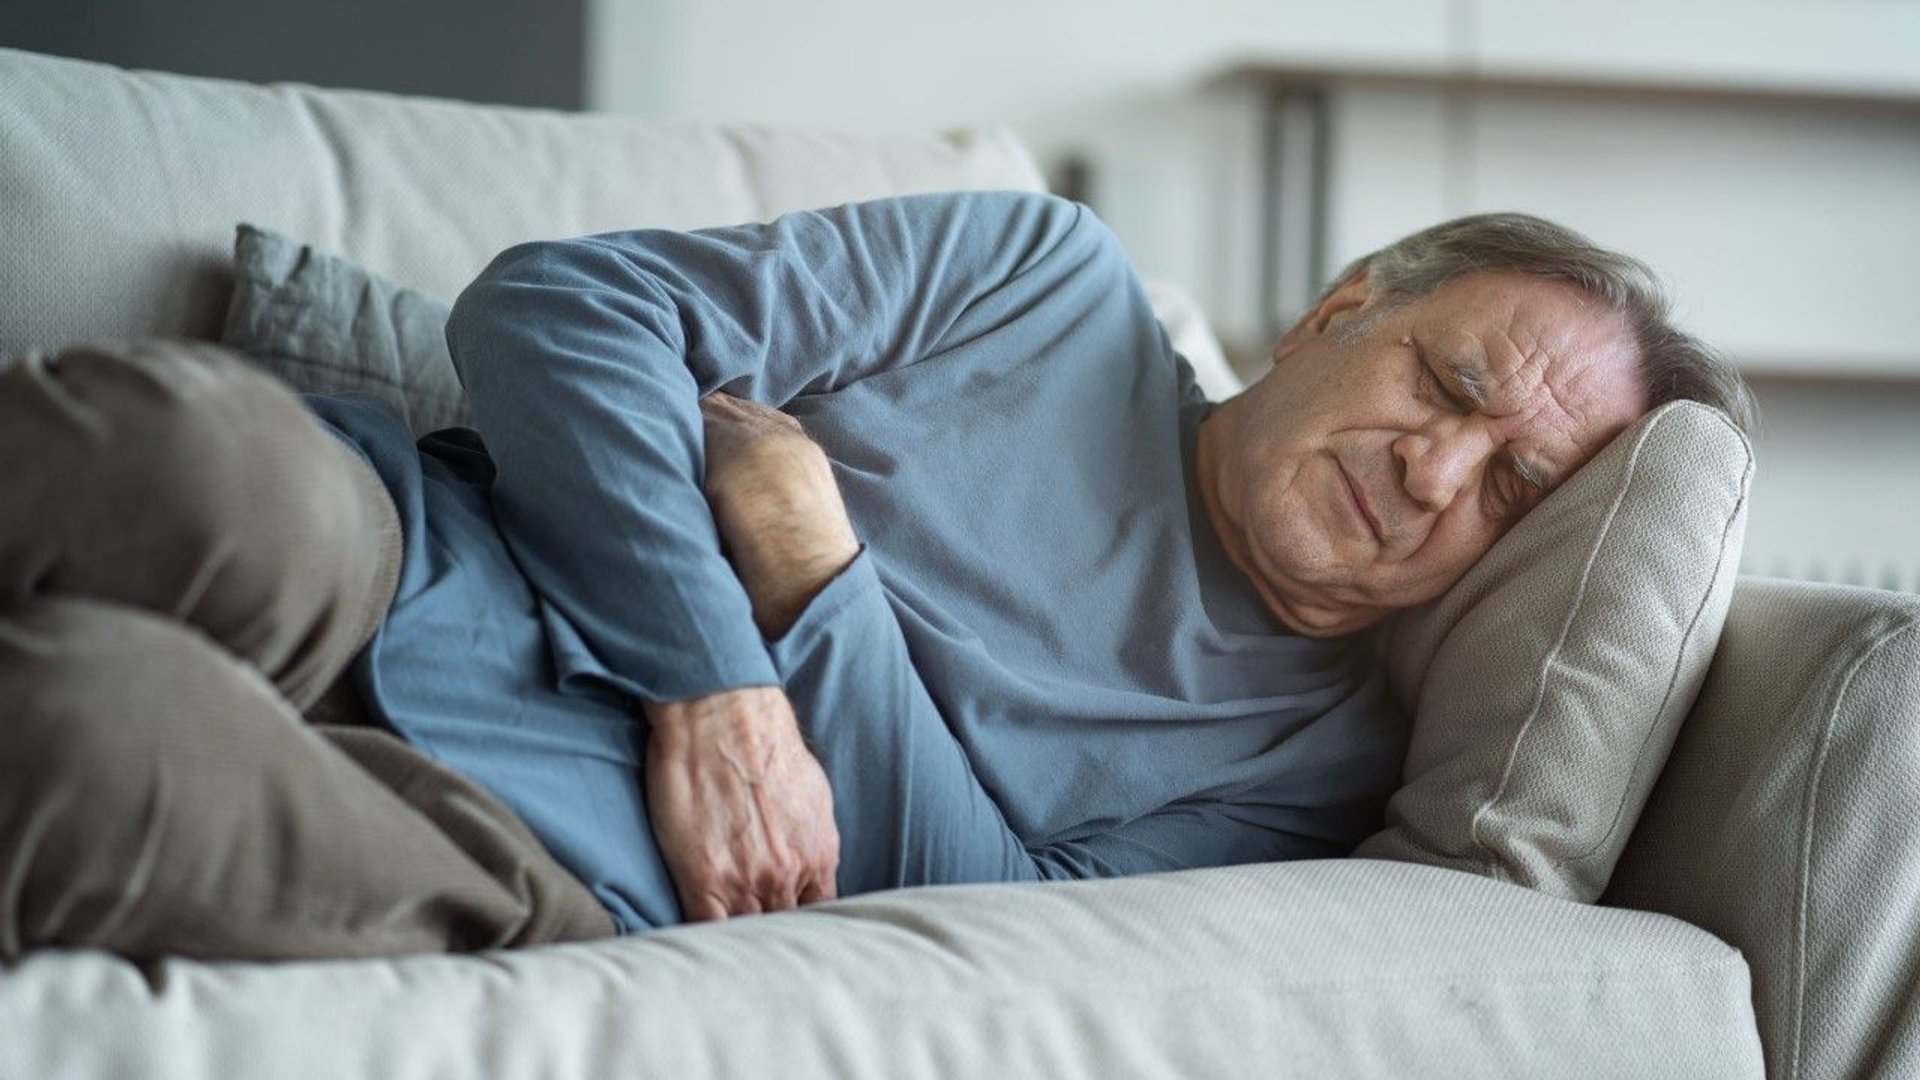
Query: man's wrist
[[679, 719]]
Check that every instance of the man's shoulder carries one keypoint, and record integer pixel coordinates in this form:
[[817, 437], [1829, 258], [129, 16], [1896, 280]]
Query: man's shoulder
[[1053, 223]]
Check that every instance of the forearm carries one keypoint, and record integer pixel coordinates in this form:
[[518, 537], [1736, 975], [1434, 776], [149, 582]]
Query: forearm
[[786, 563], [905, 795], [777, 506]]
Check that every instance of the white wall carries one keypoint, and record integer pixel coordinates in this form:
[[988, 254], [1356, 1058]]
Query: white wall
[[1789, 232], [911, 63], [1714, 194], [1837, 493], [1115, 81]]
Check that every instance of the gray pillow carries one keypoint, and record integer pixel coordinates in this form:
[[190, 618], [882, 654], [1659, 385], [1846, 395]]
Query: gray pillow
[[1548, 685], [325, 324]]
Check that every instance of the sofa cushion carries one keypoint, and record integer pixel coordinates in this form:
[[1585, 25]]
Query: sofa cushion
[[1547, 685], [127, 229], [1338, 968], [326, 324]]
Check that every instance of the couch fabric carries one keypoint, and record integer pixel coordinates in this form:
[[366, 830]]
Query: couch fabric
[[121, 192], [123, 188], [1349, 968], [1785, 823]]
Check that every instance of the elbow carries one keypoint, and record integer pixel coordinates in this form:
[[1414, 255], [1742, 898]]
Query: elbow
[[508, 315], [579, 280], [557, 301], [486, 298]]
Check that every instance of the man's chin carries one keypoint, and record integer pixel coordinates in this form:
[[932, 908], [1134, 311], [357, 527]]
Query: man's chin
[[1321, 621]]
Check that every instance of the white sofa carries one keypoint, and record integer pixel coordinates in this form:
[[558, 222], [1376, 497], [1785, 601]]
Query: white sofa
[[1761, 921]]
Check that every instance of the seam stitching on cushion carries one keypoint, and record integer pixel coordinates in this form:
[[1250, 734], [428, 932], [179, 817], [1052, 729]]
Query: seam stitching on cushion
[[1686, 639], [1802, 901], [1476, 832]]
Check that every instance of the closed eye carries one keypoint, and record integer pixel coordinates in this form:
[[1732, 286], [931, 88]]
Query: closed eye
[[1505, 493], [1431, 379], [1530, 475], [1517, 486]]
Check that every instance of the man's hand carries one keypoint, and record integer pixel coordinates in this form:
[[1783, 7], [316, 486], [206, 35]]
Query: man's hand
[[741, 809], [778, 509]]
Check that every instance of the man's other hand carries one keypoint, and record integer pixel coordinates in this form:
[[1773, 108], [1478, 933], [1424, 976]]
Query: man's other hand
[[741, 809], [778, 509]]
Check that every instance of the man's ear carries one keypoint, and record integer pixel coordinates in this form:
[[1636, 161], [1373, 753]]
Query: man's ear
[[1345, 300]]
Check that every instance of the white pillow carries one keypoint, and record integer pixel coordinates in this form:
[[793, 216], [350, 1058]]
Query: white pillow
[[1187, 328]]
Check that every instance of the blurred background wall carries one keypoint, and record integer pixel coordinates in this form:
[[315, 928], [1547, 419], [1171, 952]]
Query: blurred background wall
[[1763, 155]]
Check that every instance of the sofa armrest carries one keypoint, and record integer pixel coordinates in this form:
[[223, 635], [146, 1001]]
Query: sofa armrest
[[1785, 823]]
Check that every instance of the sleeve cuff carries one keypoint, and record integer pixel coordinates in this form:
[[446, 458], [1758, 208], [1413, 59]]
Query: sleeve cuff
[[856, 586], [729, 661]]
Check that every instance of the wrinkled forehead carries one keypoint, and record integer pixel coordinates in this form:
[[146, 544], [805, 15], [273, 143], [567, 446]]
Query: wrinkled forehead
[[1558, 366]]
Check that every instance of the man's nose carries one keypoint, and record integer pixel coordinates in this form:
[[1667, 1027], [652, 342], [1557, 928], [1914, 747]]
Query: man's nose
[[1441, 459]]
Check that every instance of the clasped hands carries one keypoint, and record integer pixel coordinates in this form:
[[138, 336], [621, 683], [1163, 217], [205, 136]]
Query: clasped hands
[[741, 809]]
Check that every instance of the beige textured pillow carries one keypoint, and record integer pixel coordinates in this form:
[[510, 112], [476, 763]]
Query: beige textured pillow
[[1547, 686]]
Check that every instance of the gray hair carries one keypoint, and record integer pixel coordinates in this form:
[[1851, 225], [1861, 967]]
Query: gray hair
[[1674, 365]]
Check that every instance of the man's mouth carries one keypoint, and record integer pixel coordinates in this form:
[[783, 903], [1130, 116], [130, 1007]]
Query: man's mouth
[[1360, 502]]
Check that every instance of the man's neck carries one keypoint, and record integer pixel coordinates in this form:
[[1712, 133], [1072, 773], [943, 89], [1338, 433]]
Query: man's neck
[[1214, 431]]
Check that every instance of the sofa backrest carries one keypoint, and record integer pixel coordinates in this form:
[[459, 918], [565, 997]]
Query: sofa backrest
[[121, 189]]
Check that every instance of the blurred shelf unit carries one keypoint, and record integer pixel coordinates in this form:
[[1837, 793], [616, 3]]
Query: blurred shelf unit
[[1306, 231], [1283, 75]]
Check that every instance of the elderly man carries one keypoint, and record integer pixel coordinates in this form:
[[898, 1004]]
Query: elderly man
[[883, 545]]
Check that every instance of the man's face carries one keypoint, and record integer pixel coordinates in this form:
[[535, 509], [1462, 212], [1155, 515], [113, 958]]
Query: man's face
[[1390, 446]]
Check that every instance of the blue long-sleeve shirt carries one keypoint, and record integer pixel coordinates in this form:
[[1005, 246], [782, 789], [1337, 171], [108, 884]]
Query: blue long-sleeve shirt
[[1041, 665]]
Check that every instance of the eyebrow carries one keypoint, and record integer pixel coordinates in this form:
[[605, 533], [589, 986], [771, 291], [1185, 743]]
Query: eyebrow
[[1473, 387]]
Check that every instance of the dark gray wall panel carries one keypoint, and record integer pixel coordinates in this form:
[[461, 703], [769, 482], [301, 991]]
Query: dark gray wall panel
[[519, 52]]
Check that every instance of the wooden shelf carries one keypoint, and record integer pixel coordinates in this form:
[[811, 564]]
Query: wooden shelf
[[1272, 74], [1851, 371]]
